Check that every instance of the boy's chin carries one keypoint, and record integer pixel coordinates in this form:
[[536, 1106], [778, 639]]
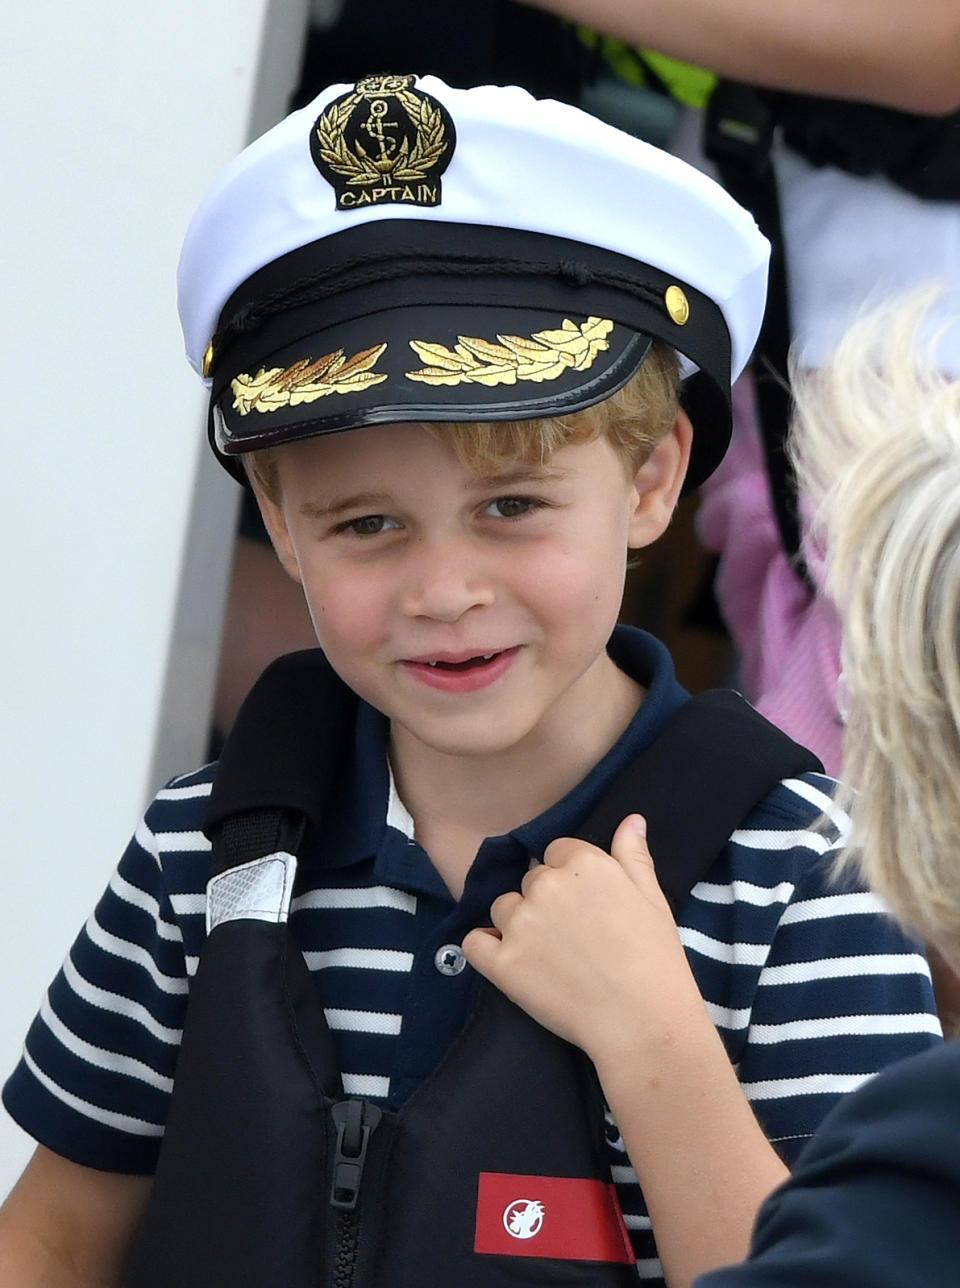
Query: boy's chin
[[482, 738]]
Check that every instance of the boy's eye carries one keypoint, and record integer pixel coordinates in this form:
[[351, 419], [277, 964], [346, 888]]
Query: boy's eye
[[368, 525], [511, 507]]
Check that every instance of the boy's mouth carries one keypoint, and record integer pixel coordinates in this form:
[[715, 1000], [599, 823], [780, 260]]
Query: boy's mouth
[[462, 672], [467, 664]]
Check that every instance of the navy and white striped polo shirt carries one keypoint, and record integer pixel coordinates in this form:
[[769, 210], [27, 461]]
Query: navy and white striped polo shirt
[[811, 987]]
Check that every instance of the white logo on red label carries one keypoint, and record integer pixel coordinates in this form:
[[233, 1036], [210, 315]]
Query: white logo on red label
[[523, 1218]]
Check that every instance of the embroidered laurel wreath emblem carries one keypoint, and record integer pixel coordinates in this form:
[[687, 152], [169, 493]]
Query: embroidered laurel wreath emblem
[[306, 381], [544, 356], [401, 163]]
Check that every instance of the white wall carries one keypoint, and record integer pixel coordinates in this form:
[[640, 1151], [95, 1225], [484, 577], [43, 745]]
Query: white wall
[[116, 533]]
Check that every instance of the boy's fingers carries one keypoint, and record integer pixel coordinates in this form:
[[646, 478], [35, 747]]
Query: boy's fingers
[[629, 848], [503, 906], [480, 948], [564, 848], [532, 876]]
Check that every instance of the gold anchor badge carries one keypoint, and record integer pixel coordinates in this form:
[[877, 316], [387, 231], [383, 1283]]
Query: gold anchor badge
[[385, 141]]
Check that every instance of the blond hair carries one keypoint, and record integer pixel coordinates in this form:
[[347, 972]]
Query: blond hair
[[877, 448], [633, 420]]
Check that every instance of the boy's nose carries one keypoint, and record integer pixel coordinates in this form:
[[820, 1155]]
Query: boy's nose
[[443, 580]]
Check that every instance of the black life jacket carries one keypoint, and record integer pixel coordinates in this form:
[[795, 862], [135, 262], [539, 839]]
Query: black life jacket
[[494, 1172]]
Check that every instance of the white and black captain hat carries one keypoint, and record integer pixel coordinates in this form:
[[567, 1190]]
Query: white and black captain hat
[[402, 251]]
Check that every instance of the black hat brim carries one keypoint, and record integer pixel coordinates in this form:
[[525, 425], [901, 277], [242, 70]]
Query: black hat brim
[[405, 320]]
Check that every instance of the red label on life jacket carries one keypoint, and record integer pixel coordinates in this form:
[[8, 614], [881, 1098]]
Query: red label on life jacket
[[550, 1216]]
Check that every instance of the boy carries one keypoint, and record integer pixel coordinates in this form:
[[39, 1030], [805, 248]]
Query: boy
[[440, 330]]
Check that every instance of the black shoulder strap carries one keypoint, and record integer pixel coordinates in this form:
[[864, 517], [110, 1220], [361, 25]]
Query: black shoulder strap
[[281, 760], [695, 784], [738, 133], [917, 152], [715, 760]]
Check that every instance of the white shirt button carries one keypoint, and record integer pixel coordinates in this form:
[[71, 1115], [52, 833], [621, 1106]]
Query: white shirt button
[[449, 960]]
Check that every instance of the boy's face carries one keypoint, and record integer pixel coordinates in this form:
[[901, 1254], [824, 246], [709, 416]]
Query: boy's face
[[473, 612]]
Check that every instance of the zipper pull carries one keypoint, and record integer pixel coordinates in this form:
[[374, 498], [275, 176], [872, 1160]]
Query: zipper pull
[[355, 1121]]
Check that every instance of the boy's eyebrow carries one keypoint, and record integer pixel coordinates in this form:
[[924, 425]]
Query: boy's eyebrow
[[371, 500], [363, 500], [523, 474]]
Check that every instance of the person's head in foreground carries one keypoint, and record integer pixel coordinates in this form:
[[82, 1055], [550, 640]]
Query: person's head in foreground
[[878, 447], [873, 1198], [452, 337]]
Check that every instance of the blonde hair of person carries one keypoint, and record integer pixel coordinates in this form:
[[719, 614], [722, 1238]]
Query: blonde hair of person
[[877, 448], [633, 420]]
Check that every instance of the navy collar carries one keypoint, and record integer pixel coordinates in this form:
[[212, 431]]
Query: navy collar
[[357, 825], [648, 662]]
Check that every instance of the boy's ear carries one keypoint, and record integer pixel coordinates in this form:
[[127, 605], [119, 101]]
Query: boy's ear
[[276, 526], [657, 483]]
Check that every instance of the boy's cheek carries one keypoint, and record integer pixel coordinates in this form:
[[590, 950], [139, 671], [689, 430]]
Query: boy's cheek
[[348, 622]]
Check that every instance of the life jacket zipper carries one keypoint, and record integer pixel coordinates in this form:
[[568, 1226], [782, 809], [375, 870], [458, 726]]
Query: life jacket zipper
[[355, 1122], [345, 1256]]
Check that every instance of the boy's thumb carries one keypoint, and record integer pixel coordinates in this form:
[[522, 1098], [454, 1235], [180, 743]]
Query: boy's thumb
[[629, 847]]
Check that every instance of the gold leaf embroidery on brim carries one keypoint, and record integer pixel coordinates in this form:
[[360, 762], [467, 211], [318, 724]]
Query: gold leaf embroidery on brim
[[543, 356], [306, 381]]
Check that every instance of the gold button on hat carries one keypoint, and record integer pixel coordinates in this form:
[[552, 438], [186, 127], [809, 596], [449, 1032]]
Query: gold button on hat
[[677, 304]]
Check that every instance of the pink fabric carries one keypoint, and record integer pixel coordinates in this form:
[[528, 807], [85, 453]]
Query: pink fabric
[[788, 638]]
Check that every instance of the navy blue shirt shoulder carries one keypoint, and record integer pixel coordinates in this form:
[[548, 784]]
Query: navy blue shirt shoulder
[[874, 1200]]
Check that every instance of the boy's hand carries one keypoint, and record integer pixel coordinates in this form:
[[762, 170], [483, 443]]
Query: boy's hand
[[589, 948]]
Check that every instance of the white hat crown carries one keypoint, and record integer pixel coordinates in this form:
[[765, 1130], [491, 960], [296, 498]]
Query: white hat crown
[[518, 162]]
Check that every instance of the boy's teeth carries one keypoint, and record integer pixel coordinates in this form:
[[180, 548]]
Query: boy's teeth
[[481, 657]]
